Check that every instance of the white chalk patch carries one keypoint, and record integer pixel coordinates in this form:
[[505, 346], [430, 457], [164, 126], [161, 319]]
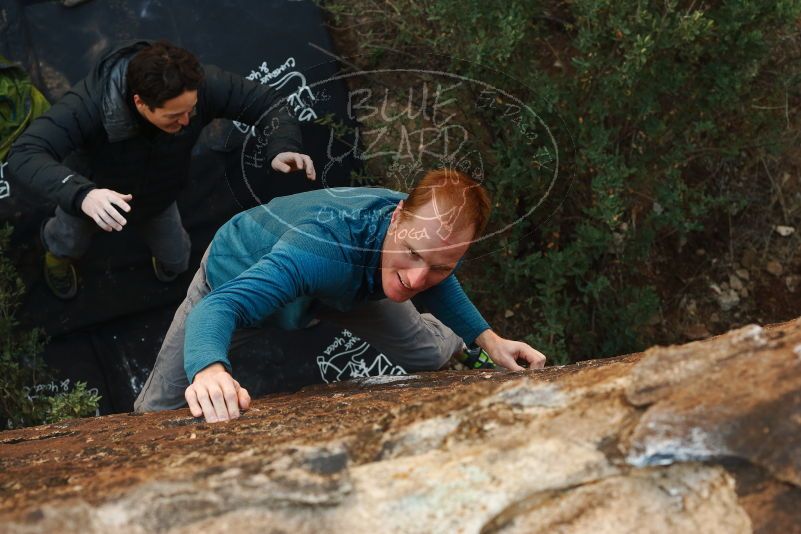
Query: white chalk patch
[[527, 395], [753, 333], [387, 379], [666, 450]]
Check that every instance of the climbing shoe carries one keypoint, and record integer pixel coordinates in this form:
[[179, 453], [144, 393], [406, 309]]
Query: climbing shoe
[[475, 358], [162, 273], [60, 276]]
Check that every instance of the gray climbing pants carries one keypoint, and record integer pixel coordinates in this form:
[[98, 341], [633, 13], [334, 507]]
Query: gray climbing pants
[[69, 236]]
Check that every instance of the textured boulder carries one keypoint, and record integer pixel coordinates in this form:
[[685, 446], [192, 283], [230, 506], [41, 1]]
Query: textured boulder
[[704, 437]]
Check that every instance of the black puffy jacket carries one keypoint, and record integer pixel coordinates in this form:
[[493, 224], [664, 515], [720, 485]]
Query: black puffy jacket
[[111, 147]]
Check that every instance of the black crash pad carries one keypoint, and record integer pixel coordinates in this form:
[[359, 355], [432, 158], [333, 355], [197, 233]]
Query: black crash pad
[[110, 334]]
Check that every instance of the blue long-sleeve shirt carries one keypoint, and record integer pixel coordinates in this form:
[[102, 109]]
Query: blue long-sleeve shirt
[[279, 262]]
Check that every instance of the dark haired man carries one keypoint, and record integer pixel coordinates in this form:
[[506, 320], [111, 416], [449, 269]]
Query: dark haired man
[[115, 150], [354, 256]]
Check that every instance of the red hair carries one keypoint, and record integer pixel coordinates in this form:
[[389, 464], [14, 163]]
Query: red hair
[[458, 199]]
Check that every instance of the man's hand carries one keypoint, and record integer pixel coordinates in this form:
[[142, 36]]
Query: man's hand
[[506, 352], [292, 161], [215, 394], [99, 204]]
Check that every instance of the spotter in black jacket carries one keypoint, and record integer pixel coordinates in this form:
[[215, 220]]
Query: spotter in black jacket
[[111, 146]]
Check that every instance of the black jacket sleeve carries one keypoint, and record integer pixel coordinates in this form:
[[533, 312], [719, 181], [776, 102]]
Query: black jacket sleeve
[[35, 160], [233, 97]]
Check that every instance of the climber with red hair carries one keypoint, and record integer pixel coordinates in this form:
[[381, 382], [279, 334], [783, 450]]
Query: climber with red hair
[[353, 256]]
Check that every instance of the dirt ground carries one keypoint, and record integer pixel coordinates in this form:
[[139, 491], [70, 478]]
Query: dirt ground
[[740, 270]]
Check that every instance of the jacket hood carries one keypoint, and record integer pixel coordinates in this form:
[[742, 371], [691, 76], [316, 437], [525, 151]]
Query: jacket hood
[[110, 78]]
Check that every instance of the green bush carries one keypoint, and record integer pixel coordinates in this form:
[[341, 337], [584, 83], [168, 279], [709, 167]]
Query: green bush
[[27, 394], [662, 102]]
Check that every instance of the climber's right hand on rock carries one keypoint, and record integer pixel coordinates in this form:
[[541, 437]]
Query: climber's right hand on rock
[[99, 205], [216, 395]]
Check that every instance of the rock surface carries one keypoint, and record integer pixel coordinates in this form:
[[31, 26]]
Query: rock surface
[[704, 437]]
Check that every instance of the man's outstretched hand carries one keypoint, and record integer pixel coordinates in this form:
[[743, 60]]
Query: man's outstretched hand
[[99, 205], [216, 395], [506, 352], [292, 161]]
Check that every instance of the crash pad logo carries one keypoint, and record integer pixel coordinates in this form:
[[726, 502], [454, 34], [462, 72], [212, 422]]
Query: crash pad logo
[[285, 76], [348, 356], [5, 187]]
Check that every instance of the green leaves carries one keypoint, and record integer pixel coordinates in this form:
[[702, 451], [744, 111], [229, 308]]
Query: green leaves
[[27, 394], [653, 106], [653, 86], [77, 403]]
